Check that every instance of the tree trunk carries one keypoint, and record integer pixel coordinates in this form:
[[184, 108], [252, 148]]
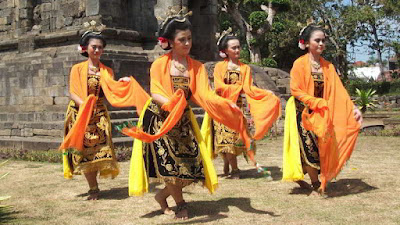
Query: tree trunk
[[271, 13], [378, 50], [342, 64], [255, 54]]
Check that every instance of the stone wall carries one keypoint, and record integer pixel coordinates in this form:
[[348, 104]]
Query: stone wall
[[20, 17], [204, 28], [38, 41]]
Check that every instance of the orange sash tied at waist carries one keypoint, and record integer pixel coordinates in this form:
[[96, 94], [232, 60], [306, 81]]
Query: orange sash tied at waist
[[331, 119]]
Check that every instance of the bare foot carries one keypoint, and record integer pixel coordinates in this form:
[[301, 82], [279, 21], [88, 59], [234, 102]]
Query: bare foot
[[164, 205], [322, 193], [235, 174], [303, 184], [314, 193], [93, 194], [181, 211]]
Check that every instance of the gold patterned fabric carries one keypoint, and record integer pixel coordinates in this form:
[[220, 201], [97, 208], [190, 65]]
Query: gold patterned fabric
[[98, 154], [227, 140], [308, 140], [175, 157]]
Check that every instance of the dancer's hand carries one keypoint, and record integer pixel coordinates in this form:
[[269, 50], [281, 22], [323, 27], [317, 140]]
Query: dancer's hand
[[234, 106], [124, 79], [357, 115]]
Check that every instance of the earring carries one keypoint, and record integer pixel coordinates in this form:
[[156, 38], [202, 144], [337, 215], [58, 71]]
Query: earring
[[307, 45]]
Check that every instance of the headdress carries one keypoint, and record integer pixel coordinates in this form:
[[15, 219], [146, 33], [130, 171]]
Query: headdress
[[219, 37], [310, 22], [172, 15], [91, 28]]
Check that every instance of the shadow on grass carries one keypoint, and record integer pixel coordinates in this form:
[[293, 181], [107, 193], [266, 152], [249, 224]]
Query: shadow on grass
[[113, 193], [213, 209], [7, 215], [345, 187], [276, 173], [339, 188]]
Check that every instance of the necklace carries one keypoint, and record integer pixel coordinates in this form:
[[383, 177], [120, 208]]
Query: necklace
[[180, 67], [315, 65], [94, 69], [233, 66]]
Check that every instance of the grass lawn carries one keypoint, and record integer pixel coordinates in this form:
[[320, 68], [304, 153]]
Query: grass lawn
[[366, 192]]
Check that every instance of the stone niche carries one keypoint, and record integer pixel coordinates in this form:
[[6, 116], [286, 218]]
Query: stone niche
[[38, 46]]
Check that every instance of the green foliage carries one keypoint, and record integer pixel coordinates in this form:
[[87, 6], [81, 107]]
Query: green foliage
[[257, 19], [278, 27], [364, 100], [381, 87], [283, 5], [253, 42], [258, 2], [53, 156], [269, 62], [245, 55]]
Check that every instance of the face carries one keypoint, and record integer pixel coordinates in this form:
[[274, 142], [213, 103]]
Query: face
[[317, 42], [233, 49], [182, 42], [95, 48]]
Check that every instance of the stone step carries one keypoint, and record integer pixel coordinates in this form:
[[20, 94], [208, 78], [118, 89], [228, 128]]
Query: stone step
[[39, 117], [33, 143], [123, 114]]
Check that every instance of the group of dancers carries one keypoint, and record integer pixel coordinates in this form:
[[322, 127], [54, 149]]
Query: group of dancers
[[321, 122]]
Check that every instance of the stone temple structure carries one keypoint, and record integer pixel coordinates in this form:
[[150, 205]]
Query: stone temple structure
[[38, 46]]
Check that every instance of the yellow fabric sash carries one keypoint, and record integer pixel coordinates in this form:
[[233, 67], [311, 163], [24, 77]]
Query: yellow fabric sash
[[292, 168], [205, 131], [138, 180]]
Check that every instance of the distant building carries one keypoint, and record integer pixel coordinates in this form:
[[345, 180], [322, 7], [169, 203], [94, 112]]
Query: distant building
[[359, 64], [366, 73]]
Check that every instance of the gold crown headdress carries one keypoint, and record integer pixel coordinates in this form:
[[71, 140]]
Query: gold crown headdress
[[172, 12], [311, 21], [219, 36], [90, 27], [93, 27]]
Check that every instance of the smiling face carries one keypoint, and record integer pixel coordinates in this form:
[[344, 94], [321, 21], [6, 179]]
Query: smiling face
[[233, 49], [182, 42], [95, 48], [316, 44]]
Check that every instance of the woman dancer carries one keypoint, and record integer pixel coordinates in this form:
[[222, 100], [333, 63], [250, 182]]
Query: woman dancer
[[322, 123], [87, 146], [233, 81], [177, 156]]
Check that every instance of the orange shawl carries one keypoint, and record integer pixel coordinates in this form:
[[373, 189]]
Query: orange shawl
[[218, 108], [332, 119], [265, 107], [119, 94]]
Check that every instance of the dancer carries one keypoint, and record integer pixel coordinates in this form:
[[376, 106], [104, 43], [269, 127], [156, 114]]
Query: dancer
[[322, 123], [87, 146], [233, 81], [177, 156]]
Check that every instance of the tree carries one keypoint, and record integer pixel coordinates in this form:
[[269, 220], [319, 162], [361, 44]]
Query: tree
[[376, 23], [340, 25], [254, 18]]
